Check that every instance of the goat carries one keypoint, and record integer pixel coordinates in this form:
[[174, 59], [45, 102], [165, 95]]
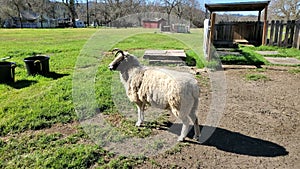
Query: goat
[[162, 88]]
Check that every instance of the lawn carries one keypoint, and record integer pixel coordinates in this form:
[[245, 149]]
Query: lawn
[[78, 62], [40, 115]]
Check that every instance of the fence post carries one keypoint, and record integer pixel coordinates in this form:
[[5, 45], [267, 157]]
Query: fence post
[[206, 36], [264, 36], [296, 43], [280, 34], [211, 36], [276, 31], [293, 25], [287, 33], [272, 33]]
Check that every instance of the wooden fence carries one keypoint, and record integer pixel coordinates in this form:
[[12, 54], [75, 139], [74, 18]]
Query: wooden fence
[[228, 33], [279, 33], [284, 34]]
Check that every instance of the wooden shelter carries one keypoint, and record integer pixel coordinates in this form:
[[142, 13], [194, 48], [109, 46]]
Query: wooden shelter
[[238, 6], [154, 23]]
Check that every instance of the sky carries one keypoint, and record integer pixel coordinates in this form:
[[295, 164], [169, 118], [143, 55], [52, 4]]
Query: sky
[[229, 1]]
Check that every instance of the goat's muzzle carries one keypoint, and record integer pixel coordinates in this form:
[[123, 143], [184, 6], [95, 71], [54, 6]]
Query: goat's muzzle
[[111, 67]]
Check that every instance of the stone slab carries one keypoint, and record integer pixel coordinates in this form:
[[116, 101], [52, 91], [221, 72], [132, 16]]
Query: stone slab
[[283, 61], [266, 53], [163, 54]]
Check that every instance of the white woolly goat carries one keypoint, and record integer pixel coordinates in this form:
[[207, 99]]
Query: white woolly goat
[[162, 88]]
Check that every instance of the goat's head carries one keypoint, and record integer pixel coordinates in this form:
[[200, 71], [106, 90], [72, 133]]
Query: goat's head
[[123, 61], [120, 56]]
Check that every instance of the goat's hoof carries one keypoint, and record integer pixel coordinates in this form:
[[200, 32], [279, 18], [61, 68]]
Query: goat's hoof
[[138, 124], [197, 138], [180, 139]]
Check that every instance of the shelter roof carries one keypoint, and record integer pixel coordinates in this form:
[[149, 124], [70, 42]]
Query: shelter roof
[[154, 20], [29, 15], [237, 6]]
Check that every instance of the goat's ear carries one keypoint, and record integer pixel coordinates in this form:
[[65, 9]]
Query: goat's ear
[[115, 50], [125, 54]]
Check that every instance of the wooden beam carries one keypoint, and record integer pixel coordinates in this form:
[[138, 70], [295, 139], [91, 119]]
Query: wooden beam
[[212, 33], [258, 28], [264, 36]]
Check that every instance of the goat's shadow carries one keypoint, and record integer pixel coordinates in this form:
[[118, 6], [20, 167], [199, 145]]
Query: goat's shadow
[[237, 143], [54, 75], [21, 83]]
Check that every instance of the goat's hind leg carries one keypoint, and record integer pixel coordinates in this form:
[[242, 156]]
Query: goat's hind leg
[[184, 129], [194, 119]]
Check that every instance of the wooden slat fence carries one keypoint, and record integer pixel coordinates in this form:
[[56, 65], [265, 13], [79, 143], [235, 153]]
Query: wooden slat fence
[[284, 34], [279, 33]]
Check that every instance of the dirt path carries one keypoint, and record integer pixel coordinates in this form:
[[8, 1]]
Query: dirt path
[[259, 128]]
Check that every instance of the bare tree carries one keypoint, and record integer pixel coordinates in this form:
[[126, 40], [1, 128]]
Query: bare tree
[[189, 10], [100, 11], [14, 8], [285, 9], [72, 8], [169, 6], [179, 9], [41, 7]]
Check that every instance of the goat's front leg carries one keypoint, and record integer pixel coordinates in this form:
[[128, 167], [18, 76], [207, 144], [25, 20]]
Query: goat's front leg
[[140, 115]]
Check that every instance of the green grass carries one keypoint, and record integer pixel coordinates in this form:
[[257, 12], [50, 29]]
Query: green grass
[[149, 41], [282, 52], [248, 57], [35, 102], [141, 42], [49, 151], [256, 77], [38, 102], [294, 71]]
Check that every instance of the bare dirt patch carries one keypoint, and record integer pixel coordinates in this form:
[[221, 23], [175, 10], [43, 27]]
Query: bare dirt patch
[[259, 128], [64, 129]]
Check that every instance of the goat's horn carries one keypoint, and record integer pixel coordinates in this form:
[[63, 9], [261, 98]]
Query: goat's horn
[[118, 51]]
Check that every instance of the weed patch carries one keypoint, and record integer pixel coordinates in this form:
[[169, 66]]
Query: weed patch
[[257, 77], [294, 71]]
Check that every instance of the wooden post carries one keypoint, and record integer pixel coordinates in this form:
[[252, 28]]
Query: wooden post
[[292, 30], [264, 36], [280, 34], [258, 29], [212, 32], [271, 42], [297, 35], [287, 33], [277, 32]]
